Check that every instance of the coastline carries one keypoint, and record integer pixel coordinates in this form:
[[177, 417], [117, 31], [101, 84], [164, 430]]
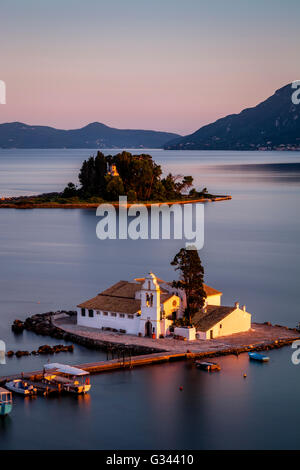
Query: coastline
[[93, 205], [131, 354], [132, 351]]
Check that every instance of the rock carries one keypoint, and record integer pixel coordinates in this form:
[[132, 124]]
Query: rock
[[57, 348], [22, 353], [45, 349], [18, 326]]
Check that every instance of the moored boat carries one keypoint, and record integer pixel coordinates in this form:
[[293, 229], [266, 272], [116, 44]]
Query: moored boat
[[258, 357], [209, 366], [67, 378], [22, 387], [5, 402]]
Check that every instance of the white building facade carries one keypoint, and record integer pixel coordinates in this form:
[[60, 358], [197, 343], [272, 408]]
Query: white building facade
[[141, 307], [148, 307]]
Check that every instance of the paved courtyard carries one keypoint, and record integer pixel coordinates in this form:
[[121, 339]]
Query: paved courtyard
[[259, 334]]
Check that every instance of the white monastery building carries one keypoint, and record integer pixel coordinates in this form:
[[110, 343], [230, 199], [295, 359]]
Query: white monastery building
[[148, 306]]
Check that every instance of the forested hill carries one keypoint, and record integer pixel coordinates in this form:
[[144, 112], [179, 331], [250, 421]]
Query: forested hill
[[94, 135], [273, 124]]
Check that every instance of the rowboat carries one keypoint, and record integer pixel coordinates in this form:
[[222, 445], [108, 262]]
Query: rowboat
[[209, 366], [67, 378], [258, 357], [22, 387], [5, 402]]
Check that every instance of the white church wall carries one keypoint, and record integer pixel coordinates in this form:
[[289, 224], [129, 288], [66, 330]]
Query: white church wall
[[119, 321], [238, 321], [189, 333]]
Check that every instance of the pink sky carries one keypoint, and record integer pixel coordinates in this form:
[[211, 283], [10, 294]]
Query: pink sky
[[153, 68]]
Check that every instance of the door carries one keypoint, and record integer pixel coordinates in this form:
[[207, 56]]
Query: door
[[148, 328]]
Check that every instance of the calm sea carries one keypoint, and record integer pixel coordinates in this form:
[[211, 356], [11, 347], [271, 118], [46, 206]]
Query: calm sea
[[51, 259]]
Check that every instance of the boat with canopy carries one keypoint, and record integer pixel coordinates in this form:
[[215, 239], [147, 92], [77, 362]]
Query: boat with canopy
[[68, 378]]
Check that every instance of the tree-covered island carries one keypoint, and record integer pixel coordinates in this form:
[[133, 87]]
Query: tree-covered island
[[105, 178], [136, 176]]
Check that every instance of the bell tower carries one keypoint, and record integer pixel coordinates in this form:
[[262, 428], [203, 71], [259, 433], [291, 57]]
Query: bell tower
[[150, 307]]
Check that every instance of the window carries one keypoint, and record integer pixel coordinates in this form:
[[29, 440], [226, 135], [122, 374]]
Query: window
[[149, 300], [122, 315], [105, 314], [220, 325], [113, 314], [130, 316], [98, 312], [83, 312], [91, 313], [174, 303]]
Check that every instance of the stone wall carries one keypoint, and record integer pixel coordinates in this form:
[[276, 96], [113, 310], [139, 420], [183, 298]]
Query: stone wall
[[42, 324]]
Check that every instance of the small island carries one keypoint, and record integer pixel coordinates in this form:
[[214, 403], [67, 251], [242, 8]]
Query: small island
[[105, 178]]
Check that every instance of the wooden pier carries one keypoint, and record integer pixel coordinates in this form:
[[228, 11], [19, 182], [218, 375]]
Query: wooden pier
[[96, 367], [239, 344]]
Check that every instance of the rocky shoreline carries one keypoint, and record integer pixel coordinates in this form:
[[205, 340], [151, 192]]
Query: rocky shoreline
[[18, 203], [42, 324], [44, 349], [45, 324]]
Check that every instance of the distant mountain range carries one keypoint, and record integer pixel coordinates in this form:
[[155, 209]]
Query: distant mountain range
[[273, 124], [94, 135]]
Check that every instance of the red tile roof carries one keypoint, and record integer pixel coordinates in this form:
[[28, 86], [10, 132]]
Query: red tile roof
[[213, 314], [120, 298]]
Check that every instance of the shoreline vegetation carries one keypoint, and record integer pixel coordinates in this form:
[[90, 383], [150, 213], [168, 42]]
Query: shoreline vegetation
[[104, 178], [30, 202]]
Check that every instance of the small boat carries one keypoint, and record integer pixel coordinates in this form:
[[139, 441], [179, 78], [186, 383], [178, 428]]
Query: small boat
[[5, 402], [209, 366], [258, 357], [67, 378], [22, 387]]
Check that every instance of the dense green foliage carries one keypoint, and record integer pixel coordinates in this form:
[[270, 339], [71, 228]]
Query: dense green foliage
[[138, 177], [191, 281]]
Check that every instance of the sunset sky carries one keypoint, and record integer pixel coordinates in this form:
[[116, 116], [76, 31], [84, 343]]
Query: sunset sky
[[168, 65]]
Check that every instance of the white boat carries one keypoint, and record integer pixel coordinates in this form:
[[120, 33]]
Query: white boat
[[22, 387], [70, 379]]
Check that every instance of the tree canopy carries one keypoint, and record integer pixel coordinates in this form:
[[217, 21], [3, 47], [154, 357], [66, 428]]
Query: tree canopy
[[191, 280], [137, 176]]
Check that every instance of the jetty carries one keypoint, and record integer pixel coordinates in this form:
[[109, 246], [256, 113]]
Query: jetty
[[182, 353], [35, 377], [129, 351]]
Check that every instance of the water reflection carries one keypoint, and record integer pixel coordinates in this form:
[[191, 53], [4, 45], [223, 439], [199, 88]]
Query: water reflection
[[84, 402], [251, 253]]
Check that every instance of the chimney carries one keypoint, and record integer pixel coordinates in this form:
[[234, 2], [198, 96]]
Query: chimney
[[237, 305], [244, 308]]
